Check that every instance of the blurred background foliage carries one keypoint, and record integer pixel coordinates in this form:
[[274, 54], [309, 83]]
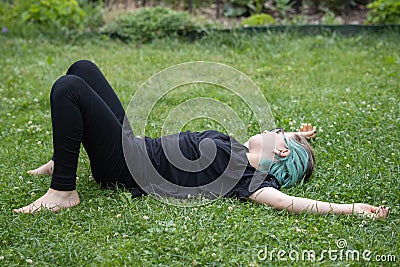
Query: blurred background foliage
[[144, 21]]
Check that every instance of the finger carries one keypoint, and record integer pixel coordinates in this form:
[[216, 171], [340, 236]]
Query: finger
[[380, 212], [301, 128], [309, 127], [307, 134], [383, 212]]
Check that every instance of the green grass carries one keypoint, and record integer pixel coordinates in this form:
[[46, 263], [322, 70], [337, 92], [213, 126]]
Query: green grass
[[348, 86]]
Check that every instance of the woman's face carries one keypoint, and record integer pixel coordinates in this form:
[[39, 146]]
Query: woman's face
[[269, 144]]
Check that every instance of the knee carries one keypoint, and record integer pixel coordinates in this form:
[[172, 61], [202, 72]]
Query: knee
[[65, 86], [81, 66]]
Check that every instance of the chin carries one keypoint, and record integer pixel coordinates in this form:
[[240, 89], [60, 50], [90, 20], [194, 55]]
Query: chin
[[255, 140]]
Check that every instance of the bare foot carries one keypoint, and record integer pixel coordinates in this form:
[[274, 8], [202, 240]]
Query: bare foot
[[53, 200], [46, 169]]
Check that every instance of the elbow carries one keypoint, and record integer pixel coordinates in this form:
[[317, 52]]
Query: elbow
[[285, 203], [274, 198], [280, 203]]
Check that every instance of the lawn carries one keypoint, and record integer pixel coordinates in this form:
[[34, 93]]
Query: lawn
[[349, 87]]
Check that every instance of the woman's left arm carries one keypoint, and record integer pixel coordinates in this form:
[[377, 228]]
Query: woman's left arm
[[281, 201]]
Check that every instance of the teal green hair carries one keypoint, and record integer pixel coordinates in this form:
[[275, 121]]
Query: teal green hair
[[290, 169]]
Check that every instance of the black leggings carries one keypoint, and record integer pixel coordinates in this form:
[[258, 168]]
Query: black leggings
[[85, 109]]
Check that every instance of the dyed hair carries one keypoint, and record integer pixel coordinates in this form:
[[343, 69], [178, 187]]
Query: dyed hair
[[295, 168]]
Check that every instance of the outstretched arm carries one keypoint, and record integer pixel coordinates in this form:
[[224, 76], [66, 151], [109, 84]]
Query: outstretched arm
[[275, 198]]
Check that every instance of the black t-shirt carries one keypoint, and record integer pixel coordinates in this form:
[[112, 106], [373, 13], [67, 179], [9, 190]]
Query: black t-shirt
[[213, 161]]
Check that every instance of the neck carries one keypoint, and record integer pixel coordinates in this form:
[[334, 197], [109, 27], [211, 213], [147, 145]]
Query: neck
[[253, 159]]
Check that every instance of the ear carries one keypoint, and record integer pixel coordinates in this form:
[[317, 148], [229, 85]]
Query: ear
[[282, 152]]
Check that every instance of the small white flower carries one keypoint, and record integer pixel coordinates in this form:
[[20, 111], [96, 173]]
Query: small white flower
[[125, 236], [145, 217], [213, 255], [230, 208], [119, 215], [29, 261]]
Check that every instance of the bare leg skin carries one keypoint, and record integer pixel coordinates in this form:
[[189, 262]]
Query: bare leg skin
[[53, 200], [46, 169]]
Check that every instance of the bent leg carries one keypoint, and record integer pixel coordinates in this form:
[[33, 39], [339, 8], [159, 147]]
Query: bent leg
[[80, 115], [92, 75], [96, 81]]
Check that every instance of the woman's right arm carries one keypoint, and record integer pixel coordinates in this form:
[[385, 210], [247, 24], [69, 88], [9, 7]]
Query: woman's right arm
[[281, 201]]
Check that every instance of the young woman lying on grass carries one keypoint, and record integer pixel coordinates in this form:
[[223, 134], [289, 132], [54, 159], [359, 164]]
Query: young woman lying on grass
[[85, 110]]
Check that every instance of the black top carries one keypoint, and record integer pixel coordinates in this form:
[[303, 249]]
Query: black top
[[213, 161]]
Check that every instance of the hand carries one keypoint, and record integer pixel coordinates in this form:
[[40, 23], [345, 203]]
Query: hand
[[371, 211], [53, 200], [307, 130]]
